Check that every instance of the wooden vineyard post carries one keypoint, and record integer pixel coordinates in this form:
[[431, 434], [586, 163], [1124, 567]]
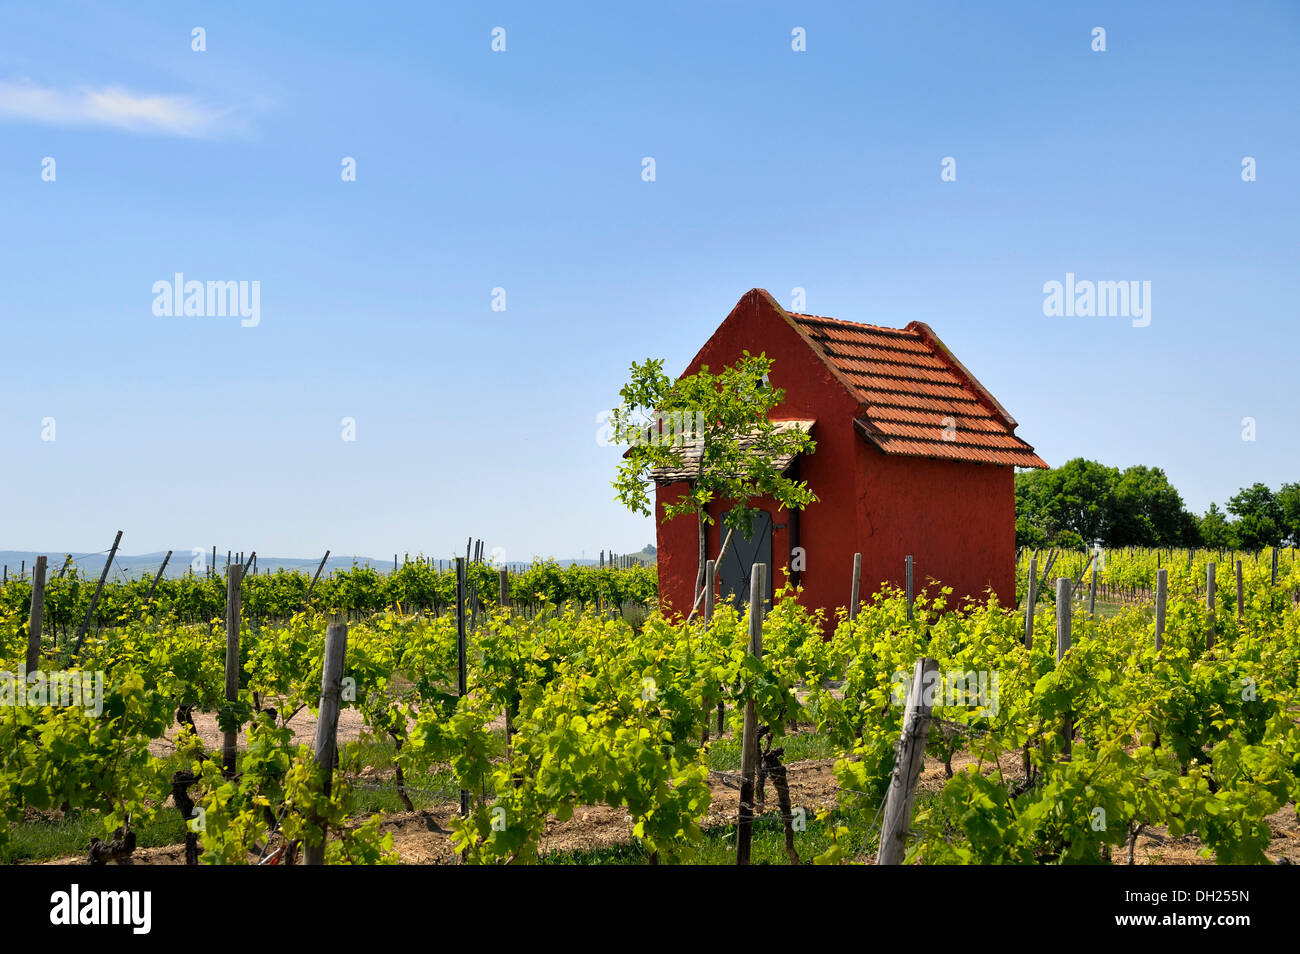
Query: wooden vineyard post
[[1063, 622], [234, 575], [710, 572], [307, 599], [1274, 576], [908, 572], [161, 570], [460, 653], [749, 737], [94, 600], [1063, 616], [327, 726], [1092, 589], [1162, 596], [68, 562], [853, 591], [471, 591], [503, 598], [1239, 591], [1031, 594], [37, 615], [1210, 581], [710, 576], [909, 759]]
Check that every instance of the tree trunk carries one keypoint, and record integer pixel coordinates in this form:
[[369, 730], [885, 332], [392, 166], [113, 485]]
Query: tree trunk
[[1133, 832], [703, 558], [772, 762], [181, 781], [699, 579], [400, 775]]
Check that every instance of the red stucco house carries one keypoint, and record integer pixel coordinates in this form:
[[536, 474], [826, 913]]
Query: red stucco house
[[914, 456]]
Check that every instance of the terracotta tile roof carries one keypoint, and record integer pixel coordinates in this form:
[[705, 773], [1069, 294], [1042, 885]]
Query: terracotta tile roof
[[910, 384]]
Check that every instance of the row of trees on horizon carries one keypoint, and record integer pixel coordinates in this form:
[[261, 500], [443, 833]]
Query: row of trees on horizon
[[1084, 502]]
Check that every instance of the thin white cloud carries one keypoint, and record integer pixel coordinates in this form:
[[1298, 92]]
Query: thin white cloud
[[112, 106]]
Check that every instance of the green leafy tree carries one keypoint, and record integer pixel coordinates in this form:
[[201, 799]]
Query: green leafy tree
[[1029, 534], [1031, 516], [734, 447], [1078, 496], [1069, 540], [1085, 500], [1259, 518], [1149, 512], [1217, 531], [1288, 504]]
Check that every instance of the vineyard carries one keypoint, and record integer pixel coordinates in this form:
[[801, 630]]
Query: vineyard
[[416, 586], [505, 704]]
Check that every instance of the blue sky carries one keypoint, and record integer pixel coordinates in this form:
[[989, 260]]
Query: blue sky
[[522, 169]]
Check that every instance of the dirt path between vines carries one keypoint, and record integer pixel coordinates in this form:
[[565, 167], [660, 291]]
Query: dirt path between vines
[[303, 725], [423, 837]]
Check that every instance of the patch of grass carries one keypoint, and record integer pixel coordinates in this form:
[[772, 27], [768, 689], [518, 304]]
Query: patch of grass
[[766, 848], [60, 836], [56, 835], [69, 835], [724, 754], [437, 786], [718, 847], [1107, 610]]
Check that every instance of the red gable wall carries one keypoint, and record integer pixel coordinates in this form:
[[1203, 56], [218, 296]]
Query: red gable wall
[[957, 519], [812, 392]]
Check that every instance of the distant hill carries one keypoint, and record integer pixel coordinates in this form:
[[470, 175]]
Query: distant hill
[[135, 565]]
